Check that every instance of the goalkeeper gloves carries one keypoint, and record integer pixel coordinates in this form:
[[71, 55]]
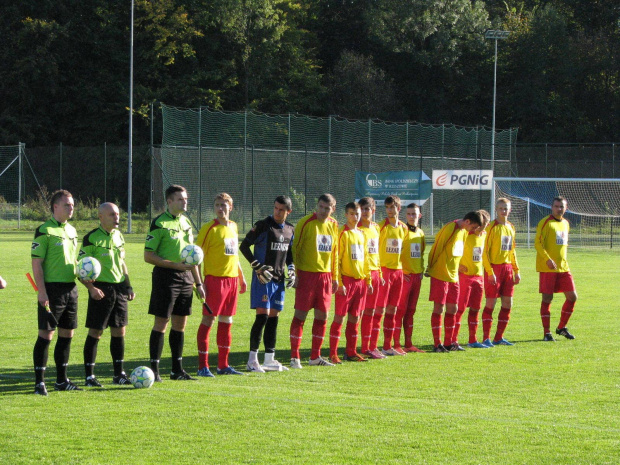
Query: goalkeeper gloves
[[291, 281], [264, 273]]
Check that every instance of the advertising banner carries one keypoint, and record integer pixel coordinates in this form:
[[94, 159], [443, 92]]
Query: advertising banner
[[410, 186], [463, 179]]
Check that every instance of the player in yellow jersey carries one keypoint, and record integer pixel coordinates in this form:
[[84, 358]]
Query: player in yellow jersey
[[412, 257], [471, 284], [219, 240], [555, 276], [355, 281], [371, 231], [501, 272], [392, 233], [315, 254], [443, 264]]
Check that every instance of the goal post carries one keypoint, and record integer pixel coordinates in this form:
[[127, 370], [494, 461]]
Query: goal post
[[593, 207]]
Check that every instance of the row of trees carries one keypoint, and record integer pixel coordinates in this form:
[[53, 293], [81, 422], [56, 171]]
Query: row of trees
[[65, 63]]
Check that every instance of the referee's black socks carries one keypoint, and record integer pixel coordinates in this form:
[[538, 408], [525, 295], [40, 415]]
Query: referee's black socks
[[61, 358], [156, 345], [39, 357], [117, 351], [176, 340], [90, 355]]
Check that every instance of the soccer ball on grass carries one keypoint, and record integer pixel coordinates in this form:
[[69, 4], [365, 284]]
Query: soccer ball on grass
[[88, 268], [192, 255], [142, 377]]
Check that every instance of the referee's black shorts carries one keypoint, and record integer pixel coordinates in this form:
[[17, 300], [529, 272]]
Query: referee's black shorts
[[63, 299], [111, 310], [171, 293]]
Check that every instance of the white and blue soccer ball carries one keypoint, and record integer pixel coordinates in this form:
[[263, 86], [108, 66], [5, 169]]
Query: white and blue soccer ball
[[88, 268], [192, 255], [142, 377]]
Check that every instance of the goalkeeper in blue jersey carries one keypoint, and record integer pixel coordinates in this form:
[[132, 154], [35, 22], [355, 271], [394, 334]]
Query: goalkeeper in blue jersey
[[272, 239]]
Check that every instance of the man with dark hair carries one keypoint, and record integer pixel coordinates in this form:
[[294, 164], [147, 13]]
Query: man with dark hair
[[443, 265], [272, 239], [108, 294], [555, 276], [54, 253], [315, 252], [172, 281]]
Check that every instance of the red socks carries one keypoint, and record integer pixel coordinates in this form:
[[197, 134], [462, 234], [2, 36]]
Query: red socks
[[318, 334], [375, 329], [203, 345], [334, 338], [436, 327], [545, 316], [224, 340], [567, 311], [502, 321], [449, 329], [408, 326], [366, 330], [351, 335], [398, 325], [487, 321], [388, 330], [297, 328], [472, 320]]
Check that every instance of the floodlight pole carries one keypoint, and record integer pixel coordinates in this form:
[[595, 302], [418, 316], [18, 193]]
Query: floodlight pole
[[495, 35], [129, 167]]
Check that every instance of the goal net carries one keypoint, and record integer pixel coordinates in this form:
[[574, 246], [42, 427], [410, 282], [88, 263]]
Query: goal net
[[593, 207]]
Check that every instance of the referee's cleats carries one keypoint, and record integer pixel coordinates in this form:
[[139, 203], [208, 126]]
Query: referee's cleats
[[40, 389], [205, 373], [181, 376], [488, 343], [67, 385], [91, 381], [548, 337], [121, 379], [502, 342], [254, 367], [157, 377], [320, 362], [564, 332], [296, 364], [228, 371]]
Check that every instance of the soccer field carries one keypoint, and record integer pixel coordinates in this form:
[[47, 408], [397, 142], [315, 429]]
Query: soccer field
[[533, 403]]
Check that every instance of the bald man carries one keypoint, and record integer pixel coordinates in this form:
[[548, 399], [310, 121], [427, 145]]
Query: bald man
[[108, 295]]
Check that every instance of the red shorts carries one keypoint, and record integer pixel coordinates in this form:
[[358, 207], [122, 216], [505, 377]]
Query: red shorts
[[444, 292], [411, 291], [353, 302], [550, 283], [390, 293], [371, 299], [221, 295], [471, 291], [314, 290], [504, 282]]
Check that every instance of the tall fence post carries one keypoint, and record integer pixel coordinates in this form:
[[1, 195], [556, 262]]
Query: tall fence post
[[546, 158], [252, 186], [152, 165], [60, 165], [329, 153], [288, 158], [19, 186], [105, 171], [407, 144], [306, 180], [199, 165]]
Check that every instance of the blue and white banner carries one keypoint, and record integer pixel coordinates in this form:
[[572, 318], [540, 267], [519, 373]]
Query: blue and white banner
[[463, 179], [410, 186]]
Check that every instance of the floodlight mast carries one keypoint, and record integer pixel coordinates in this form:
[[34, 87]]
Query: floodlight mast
[[494, 35], [130, 162]]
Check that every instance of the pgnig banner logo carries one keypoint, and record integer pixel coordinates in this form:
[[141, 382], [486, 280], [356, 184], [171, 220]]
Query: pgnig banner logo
[[463, 179]]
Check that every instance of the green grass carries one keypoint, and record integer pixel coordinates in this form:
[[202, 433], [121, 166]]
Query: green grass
[[532, 403]]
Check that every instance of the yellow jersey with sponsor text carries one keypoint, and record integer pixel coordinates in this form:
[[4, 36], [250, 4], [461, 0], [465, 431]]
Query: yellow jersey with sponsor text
[[352, 257], [412, 255], [220, 244], [372, 244], [315, 247], [552, 243], [445, 255], [472, 254], [499, 246], [391, 243]]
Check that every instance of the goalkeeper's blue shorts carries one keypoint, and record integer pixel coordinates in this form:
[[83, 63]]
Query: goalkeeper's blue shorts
[[270, 295]]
